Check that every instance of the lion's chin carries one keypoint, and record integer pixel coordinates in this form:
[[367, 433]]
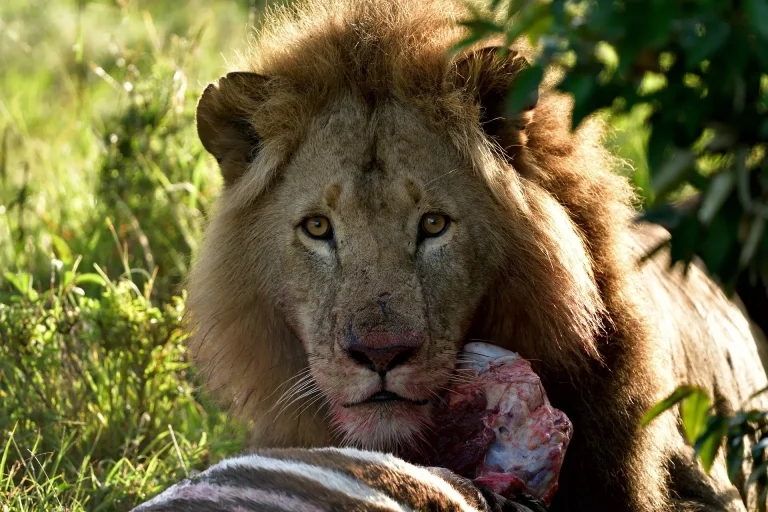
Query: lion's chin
[[390, 426]]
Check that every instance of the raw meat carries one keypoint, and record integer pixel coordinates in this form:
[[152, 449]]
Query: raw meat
[[498, 428]]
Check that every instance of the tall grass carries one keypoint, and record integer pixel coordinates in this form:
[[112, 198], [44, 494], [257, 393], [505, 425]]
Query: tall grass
[[104, 189], [96, 121], [98, 406]]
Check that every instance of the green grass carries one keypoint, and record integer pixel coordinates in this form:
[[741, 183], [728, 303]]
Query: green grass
[[104, 189], [99, 410], [96, 120]]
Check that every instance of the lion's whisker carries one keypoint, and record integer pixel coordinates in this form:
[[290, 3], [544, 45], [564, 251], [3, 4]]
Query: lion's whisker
[[433, 180], [301, 382], [320, 407], [302, 387], [302, 374], [310, 401], [307, 393], [299, 387], [317, 402]]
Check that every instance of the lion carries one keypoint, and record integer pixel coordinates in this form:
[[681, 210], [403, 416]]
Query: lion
[[381, 207]]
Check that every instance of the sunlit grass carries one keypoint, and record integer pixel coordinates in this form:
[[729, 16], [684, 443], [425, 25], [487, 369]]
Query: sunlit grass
[[79, 78], [99, 409], [98, 157]]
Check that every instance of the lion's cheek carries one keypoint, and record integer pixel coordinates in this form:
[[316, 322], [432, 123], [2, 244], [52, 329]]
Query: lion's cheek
[[308, 321]]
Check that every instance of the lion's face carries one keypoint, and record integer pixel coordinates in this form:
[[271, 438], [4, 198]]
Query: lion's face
[[378, 254], [381, 206]]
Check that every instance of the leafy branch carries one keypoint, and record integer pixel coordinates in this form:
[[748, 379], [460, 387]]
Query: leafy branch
[[705, 429], [698, 69]]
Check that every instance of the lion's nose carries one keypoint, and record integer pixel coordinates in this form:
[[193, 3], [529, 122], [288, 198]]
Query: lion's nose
[[381, 353]]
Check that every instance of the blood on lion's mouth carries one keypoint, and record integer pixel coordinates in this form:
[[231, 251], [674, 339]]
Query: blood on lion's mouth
[[386, 397]]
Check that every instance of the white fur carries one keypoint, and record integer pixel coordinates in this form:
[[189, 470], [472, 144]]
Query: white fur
[[328, 478], [416, 472]]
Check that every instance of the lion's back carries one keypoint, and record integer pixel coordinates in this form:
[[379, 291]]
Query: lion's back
[[708, 338]]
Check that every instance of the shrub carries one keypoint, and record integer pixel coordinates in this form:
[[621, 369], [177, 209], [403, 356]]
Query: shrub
[[99, 157], [697, 73], [97, 407]]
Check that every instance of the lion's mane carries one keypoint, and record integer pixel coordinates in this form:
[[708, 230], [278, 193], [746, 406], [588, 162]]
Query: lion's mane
[[570, 297]]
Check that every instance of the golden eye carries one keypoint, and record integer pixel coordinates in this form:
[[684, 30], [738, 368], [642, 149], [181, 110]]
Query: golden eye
[[434, 224], [317, 227]]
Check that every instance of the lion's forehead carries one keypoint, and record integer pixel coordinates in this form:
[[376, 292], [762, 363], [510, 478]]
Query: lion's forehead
[[382, 159]]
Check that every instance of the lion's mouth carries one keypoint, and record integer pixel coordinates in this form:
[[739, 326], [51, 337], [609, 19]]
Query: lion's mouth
[[381, 397]]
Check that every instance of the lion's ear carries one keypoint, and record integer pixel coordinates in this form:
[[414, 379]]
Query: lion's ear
[[224, 121], [489, 75]]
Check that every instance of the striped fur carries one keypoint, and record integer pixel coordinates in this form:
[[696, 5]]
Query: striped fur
[[324, 479]]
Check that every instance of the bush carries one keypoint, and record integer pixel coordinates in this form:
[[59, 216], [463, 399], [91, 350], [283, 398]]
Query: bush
[[99, 157], [697, 73], [99, 412], [99, 123], [155, 178]]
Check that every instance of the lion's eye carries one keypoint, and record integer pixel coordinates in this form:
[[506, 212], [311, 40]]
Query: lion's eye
[[318, 228], [434, 224]]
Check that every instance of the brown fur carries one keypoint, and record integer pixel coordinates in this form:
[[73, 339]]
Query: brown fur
[[352, 110]]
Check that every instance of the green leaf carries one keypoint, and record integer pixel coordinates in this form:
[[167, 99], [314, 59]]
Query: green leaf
[[694, 411], [676, 397], [754, 416], [62, 249], [16, 281], [91, 278], [533, 20], [67, 278], [658, 143], [467, 42], [757, 11], [757, 448], [708, 443], [763, 130], [514, 7], [673, 171], [719, 244], [541, 26], [757, 473], [734, 457], [754, 235], [719, 190], [716, 35], [524, 89], [23, 284], [581, 86], [684, 240], [481, 26]]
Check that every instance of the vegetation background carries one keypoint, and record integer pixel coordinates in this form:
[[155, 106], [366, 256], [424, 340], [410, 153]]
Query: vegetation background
[[104, 189]]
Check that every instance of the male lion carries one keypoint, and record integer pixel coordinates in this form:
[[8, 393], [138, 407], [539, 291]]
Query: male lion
[[381, 208]]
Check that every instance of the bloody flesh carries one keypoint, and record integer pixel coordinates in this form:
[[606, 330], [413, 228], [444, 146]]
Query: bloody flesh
[[498, 428]]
